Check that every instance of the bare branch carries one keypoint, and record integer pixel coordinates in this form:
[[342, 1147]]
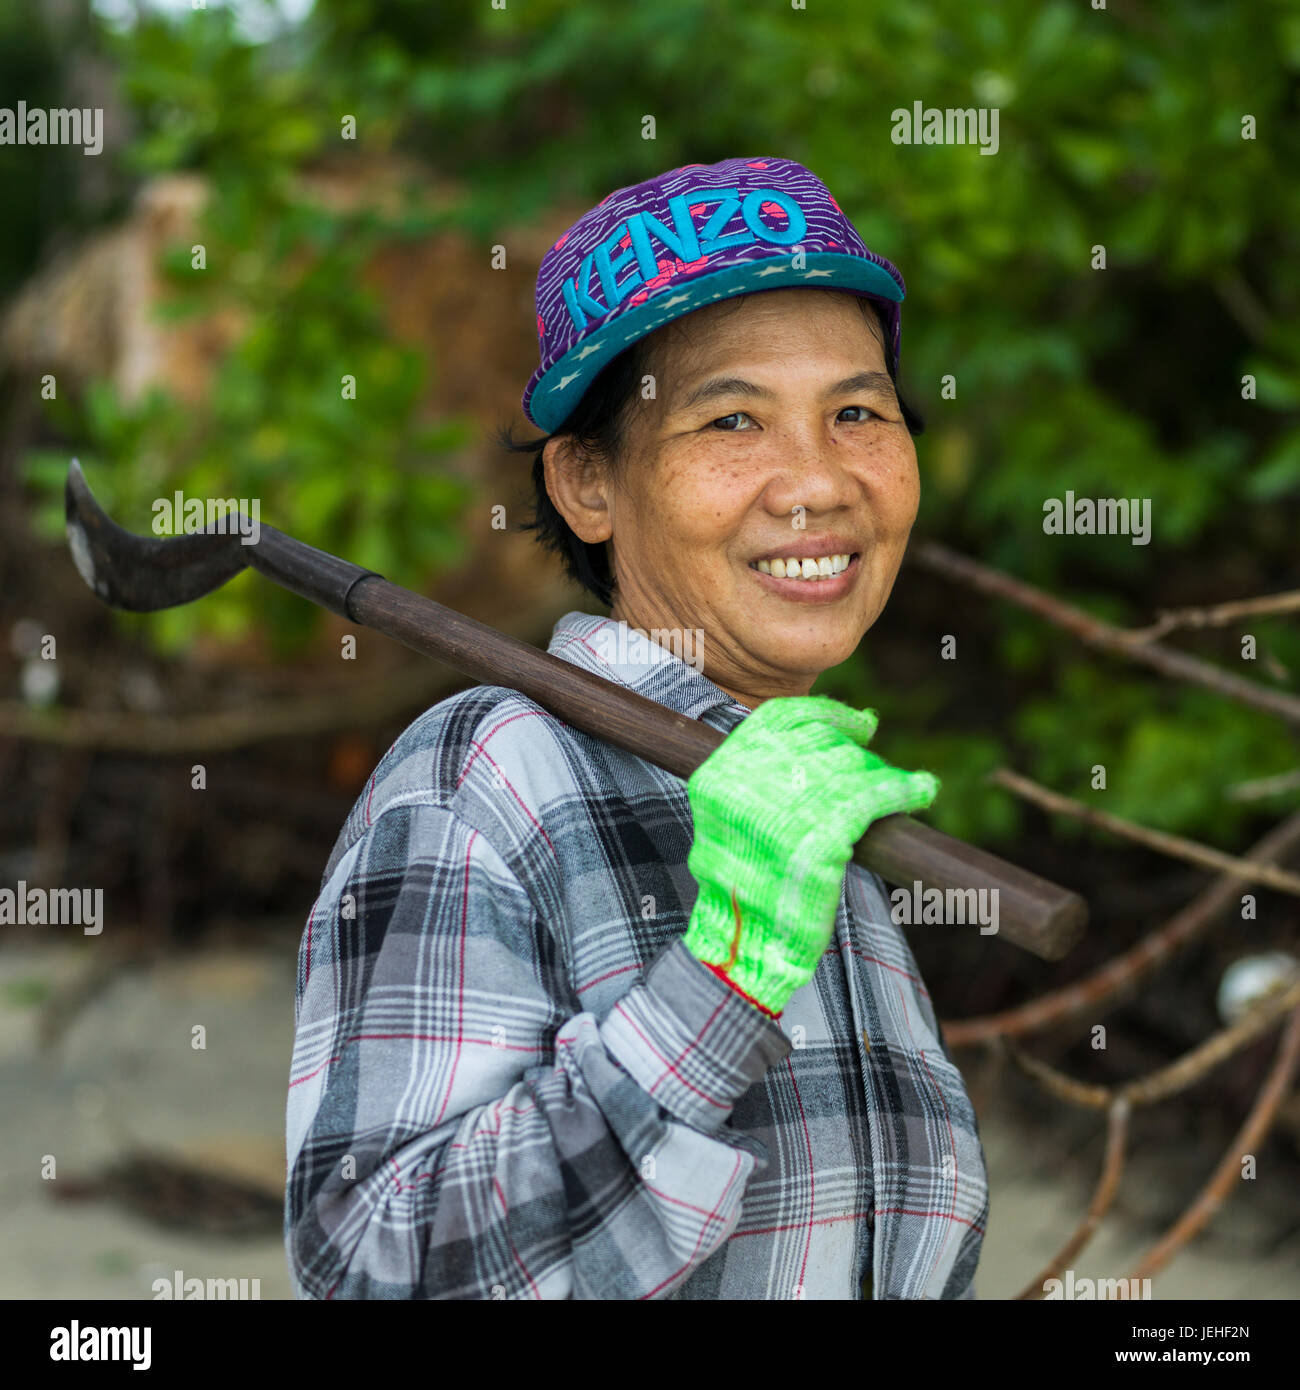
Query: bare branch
[[1265, 786], [1167, 1081], [1220, 615], [1237, 297], [1100, 635], [1218, 1047], [1173, 845], [370, 701], [1107, 1186], [1247, 1140], [1120, 976]]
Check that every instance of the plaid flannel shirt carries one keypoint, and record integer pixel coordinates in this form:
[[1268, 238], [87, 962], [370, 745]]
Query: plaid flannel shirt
[[510, 1079]]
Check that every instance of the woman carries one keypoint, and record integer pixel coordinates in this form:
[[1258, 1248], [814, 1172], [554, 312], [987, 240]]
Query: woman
[[568, 1027]]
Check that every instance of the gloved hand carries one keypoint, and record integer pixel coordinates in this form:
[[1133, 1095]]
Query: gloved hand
[[778, 808]]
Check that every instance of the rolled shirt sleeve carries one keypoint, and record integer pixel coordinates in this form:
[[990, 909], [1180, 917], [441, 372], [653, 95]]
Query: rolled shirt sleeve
[[459, 1128]]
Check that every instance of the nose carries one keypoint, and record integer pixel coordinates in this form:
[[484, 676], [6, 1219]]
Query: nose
[[811, 471]]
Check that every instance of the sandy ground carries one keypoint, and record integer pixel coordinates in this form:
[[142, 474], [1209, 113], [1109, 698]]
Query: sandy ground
[[126, 1073]]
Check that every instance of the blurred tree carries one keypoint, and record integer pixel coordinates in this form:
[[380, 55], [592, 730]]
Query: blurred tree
[[1128, 129]]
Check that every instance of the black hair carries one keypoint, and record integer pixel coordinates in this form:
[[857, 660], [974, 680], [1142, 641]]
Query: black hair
[[597, 425]]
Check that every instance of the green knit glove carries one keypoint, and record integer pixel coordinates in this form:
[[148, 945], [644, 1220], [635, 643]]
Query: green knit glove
[[778, 807]]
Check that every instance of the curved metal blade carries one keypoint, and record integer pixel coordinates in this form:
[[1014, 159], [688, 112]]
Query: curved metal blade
[[144, 573]]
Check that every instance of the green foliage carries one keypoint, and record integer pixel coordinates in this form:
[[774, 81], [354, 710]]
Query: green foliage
[[1170, 753], [27, 992], [1119, 128], [360, 477]]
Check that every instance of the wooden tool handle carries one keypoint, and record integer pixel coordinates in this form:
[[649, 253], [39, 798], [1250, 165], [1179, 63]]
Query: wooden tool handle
[[1043, 918], [143, 573]]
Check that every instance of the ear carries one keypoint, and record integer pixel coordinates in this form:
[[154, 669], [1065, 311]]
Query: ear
[[579, 487]]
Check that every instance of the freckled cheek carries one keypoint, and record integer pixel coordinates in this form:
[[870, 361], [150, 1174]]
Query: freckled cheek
[[704, 505], [893, 485]]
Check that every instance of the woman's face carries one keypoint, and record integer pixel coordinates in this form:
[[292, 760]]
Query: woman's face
[[775, 434]]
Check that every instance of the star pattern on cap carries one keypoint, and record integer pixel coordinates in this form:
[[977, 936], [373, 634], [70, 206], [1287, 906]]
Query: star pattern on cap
[[830, 237]]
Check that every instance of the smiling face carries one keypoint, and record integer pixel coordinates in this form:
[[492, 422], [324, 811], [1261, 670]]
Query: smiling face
[[776, 435]]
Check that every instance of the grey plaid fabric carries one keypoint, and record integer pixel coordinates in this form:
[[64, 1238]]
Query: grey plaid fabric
[[511, 1080]]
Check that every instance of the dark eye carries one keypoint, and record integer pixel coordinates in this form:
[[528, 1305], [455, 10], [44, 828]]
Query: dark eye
[[735, 415], [867, 412]]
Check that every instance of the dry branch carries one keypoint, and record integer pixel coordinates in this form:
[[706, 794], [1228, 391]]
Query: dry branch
[[371, 701], [1214, 1193], [1103, 636], [1264, 786], [1173, 845], [1106, 984], [1219, 615], [1166, 1081], [1107, 1186]]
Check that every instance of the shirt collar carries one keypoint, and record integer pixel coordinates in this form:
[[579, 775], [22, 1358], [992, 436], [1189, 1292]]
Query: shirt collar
[[663, 670]]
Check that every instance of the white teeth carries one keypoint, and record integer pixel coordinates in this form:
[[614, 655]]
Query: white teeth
[[823, 568]]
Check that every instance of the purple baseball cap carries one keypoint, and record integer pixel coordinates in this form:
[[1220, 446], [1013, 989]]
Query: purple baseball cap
[[656, 250]]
